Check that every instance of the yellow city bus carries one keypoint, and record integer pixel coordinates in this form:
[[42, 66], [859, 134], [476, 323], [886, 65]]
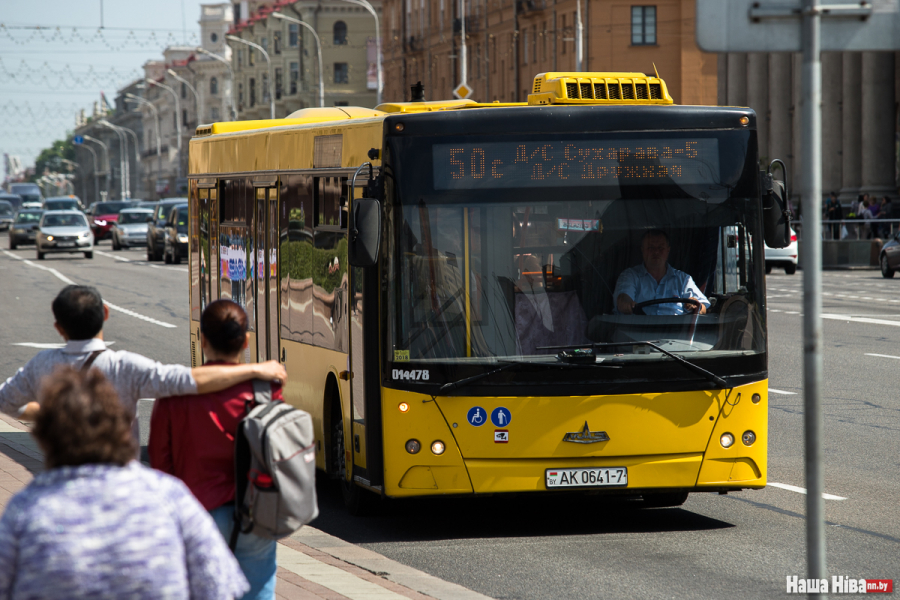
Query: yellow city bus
[[475, 345]]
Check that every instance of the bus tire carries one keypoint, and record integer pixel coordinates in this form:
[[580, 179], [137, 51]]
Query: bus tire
[[358, 501], [664, 500]]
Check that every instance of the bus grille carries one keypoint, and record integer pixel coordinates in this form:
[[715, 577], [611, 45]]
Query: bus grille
[[537, 86], [615, 91], [586, 91], [641, 89], [600, 91], [627, 92], [572, 90], [655, 91]]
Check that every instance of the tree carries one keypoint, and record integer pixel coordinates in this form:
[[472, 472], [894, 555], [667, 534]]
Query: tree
[[49, 158]]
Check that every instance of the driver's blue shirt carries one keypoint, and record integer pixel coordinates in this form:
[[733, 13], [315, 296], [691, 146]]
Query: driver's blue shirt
[[641, 286]]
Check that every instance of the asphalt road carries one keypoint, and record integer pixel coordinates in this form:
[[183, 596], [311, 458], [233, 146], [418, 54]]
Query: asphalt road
[[742, 545]]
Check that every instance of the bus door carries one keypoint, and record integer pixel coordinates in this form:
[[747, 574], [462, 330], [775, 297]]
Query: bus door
[[265, 271]]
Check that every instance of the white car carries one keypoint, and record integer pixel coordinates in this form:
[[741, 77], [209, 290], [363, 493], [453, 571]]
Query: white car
[[64, 231], [783, 257], [131, 228]]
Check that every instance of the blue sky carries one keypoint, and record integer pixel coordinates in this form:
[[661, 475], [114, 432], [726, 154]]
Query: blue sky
[[46, 75]]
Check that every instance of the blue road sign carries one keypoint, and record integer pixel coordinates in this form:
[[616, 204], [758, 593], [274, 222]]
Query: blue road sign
[[501, 417], [78, 140], [477, 416]]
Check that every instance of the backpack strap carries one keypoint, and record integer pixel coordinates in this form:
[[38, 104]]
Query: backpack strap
[[90, 360], [262, 391]]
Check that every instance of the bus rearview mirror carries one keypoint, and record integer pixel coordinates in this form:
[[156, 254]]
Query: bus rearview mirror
[[364, 235], [776, 217]]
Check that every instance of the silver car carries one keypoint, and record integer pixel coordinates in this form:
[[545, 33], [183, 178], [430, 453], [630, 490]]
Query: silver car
[[783, 257], [64, 231], [131, 228]]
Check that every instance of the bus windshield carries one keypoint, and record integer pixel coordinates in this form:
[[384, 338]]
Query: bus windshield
[[511, 270]]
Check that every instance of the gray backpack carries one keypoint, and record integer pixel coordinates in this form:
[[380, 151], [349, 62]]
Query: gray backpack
[[275, 468]]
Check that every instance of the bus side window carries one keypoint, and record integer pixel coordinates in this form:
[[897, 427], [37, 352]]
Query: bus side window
[[329, 273], [297, 253]]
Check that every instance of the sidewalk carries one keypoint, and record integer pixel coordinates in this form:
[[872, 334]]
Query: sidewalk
[[312, 565]]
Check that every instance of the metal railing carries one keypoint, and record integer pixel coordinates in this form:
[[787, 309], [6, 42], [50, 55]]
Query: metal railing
[[854, 229]]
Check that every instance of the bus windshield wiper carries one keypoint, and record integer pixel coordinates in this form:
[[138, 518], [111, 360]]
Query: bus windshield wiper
[[564, 364], [691, 366]]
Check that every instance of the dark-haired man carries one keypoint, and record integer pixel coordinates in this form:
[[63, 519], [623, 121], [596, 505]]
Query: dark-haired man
[[80, 313], [656, 279]]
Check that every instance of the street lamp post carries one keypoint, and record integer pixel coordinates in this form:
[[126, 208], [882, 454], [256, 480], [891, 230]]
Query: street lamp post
[[177, 118], [365, 4], [227, 63], [96, 179], [137, 158], [105, 156], [283, 17], [124, 180], [199, 104], [265, 54], [146, 102]]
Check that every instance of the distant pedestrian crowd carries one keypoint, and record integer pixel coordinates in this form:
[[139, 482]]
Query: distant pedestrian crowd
[[866, 215], [98, 524]]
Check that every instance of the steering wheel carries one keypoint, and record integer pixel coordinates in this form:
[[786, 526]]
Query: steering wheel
[[638, 308]]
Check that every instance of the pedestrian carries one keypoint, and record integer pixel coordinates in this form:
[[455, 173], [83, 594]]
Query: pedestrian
[[80, 313], [194, 441], [98, 524], [834, 212]]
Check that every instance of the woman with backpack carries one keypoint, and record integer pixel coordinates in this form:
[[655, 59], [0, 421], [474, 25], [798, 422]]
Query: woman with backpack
[[193, 437]]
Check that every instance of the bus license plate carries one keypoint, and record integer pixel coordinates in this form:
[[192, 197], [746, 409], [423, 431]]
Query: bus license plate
[[594, 477]]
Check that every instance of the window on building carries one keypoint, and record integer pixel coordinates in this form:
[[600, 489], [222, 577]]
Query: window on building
[[524, 46], [184, 120], [534, 37], [252, 92], [295, 77], [265, 44], [341, 73], [340, 33], [184, 90], [240, 96], [240, 58], [564, 35], [643, 25], [265, 88], [293, 35], [276, 42], [279, 84], [214, 113], [214, 37], [544, 40], [250, 60], [213, 86]]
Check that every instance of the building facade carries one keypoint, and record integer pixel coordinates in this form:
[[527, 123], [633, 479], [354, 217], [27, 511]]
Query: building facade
[[860, 117], [508, 42], [347, 36]]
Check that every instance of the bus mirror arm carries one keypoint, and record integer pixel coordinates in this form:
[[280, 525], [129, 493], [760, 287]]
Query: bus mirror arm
[[776, 216]]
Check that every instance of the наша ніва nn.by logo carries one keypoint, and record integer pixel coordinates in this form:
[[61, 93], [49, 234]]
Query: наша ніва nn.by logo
[[839, 585]]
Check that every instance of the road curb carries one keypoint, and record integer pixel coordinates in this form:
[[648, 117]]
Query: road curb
[[382, 566]]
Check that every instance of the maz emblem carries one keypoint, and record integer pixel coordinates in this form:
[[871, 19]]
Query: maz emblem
[[586, 436]]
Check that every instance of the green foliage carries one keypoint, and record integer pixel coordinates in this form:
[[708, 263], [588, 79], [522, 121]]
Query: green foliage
[[48, 159], [299, 261]]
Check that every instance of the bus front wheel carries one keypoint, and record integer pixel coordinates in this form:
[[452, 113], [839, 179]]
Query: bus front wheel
[[359, 502]]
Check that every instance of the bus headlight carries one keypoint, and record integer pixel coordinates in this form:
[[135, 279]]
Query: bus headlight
[[404, 407], [748, 438], [413, 446], [727, 440], [437, 447]]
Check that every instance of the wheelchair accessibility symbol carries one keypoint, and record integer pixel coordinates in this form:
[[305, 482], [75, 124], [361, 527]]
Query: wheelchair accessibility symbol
[[477, 416]]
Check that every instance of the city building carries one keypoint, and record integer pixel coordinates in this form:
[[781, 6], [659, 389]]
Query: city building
[[347, 36], [508, 42], [860, 118]]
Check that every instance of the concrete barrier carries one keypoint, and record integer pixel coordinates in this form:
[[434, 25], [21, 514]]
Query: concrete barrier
[[849, 253]]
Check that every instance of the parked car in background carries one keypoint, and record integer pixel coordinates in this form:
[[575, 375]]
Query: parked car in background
[[63, 203], [64, 231], [783, 257], [156, 227], [7, 214], [13, 199], [176, 244], [103, 215], [29, 192], [131, 228], [889, 258], [25, 227]]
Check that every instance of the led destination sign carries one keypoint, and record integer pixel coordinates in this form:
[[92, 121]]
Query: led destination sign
[[576, 163]]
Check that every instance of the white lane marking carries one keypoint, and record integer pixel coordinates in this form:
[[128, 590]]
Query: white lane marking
[[851, 319], [883, 356], [113, 256], [791, 312], [800, 490], [774, 391], [65, 279], [866, 298]]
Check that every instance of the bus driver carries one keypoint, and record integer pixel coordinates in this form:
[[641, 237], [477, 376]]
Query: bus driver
[[656, 279]]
